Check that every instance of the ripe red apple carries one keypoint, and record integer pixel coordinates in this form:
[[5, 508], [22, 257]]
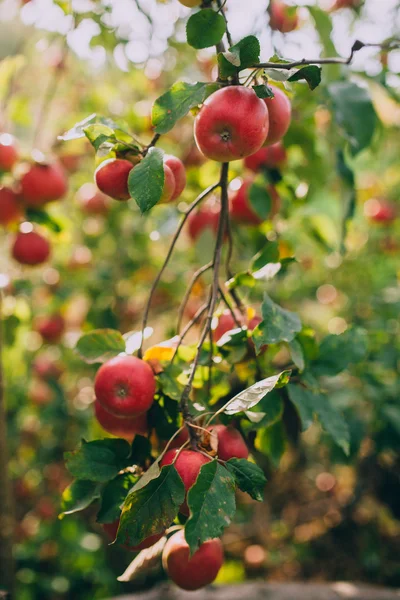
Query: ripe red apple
[[283, 18], [192, 572], [380, 210], [112, 528], [231, 124], [8, 152], [111, 177], [30, 248], [188, 465], [207, 217], [169, 185], [50, 327], [70, 162], [193, 157], [230, 442], [226, 323], [125, 386], [10, 207], [91, 201], [179, 173], [280, 115], [240, 207], [46, 367], [43, 183], [268, 156], [124, 427]]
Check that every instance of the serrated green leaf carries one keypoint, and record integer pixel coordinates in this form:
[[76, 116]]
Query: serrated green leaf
[[100, 460], [311, 74], [269, 254], [98, 134], [211, 501], [260, 198], [176, 103], [140, 450], [270, 411], [146, 180], [100, 345], [278, 324], [244, 279], [296, 352], [252, 395], [79, 495], [42, 217], [205, 28], [248, 476], [263, 91], [151, 509], [272, 442], [246, 53], [303, 401], [113, 496], [337, 352]]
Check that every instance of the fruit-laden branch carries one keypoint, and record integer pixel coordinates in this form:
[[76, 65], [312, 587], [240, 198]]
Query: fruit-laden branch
[[336, 60], [186, 214], [6, 503], [212, 301]]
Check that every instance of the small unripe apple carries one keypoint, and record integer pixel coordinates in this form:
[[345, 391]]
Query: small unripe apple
[[230, 442], [380, 210], [8, 152], [190, 3], [188, 465], [240, 207], [178, 169], [92, 201], [112, 528], [231, 124], [43, 183], [283, 18], [192, 572], [268, 156], [124, 427], [10, 207], [125, 386], [30, 248], [207, 217], [280, 115], [50, 327], [111, 177]]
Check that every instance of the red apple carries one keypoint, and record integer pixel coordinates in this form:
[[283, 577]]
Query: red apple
[[111, 177], [125, 386], [231, 124], [30, 248], [91, 201], [226, 323], [192, 572], [346, 4], [124, 427], [380, 210], [50, 327], [46, 367], [112, 528], [10, 207], [169, 185], [230, 442], [40, 393], [206, 217], [43, 183], [268, 156], [240, 207], [283, 18], [188, 465], [280, 115], [178, 170], [8, 152]]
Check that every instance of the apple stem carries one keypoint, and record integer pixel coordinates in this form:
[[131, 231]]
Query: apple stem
[[7, 567]]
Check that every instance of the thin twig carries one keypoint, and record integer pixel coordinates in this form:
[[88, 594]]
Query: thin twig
[[221, 9], [188, 327], [185, 299], [186, 214], [152, 143], [228, 305]]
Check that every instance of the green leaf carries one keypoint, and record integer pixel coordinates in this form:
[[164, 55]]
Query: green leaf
[[269, 254], [176, 103], [211, 501], [113, 496], [205, 28], [98, 134], [337, 352], [311, 74], [304, 403], [260, 198], [272, 442], [100, 460], [100, 345], [263, 91], [146, 180], [79, 495], [323, 24], [269, 411], [140, 450], [278, 324], [252, 395], [296, 352], [248, 476], [240, 56], [42, 217], [244, 279], [151, 509], [354, 113]]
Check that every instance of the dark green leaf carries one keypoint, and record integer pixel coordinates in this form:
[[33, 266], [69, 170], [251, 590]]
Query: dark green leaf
[[43, 218], [113, 496], [269, 254], [252, 395], [176, 103], [100, 460], [272, 442], [337, 352], [311, 74], [211, 501], [146, 180], [141, 450], [278, 324], [296, 352], [205, 28], [240, 56], [244, 279], [79, 495], [151, 509], [260, 198], [249, 477], [98, 133], [304, 403], [100, 345], [263, 91]]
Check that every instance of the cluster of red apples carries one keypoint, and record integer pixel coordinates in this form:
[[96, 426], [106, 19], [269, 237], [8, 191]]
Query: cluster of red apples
[[32, 186]]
